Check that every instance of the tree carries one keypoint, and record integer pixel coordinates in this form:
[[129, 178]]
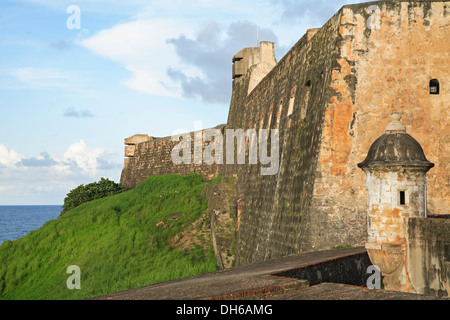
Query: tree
[[89, 192]]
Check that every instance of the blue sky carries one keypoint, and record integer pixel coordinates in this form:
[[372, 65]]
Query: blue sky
[[69, 96]]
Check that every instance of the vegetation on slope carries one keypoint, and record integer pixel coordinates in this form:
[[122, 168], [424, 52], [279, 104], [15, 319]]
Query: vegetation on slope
[[89, 192], [119, 242]]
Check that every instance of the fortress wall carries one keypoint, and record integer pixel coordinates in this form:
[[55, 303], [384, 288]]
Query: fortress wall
[[378, 72], [429, 255], [154, 157], [292, 98], [344, 83], [330, 97], [393, 65]]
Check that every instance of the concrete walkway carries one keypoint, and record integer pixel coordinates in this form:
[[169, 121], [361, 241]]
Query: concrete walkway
[[258, 282]]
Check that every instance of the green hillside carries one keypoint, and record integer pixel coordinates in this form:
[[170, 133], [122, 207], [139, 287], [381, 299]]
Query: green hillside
[[156, 232]]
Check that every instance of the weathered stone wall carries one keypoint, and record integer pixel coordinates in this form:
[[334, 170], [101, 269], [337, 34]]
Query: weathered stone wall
[[274, 214], [351, 270], [382, 69], [389, 69], [429, 255], [154, 157], [331, 97]]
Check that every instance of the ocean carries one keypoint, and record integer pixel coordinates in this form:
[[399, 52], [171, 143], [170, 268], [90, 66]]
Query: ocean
[[18, 221]]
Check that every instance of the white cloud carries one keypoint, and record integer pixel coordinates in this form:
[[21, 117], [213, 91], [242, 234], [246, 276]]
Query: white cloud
[[156, 83], [85, 158], [182, 58], [46, 179], [45, 188], [9, 158], [6, 188], [141, 47], [40, 77], [78, 160]]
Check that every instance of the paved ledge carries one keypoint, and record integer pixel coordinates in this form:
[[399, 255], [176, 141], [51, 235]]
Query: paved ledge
[[338, 291], [257, 281]]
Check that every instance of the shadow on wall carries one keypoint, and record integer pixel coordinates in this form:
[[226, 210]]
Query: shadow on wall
[[350, 270]]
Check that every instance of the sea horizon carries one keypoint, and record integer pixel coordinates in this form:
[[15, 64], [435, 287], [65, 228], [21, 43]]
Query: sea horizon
[[31, 205], [17, 221]]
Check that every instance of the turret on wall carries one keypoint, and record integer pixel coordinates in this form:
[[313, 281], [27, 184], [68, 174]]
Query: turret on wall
[[261, 58], [395, 170], [131, 143]]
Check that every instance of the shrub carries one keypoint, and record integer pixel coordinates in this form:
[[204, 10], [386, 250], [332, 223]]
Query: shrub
[[92, 191]]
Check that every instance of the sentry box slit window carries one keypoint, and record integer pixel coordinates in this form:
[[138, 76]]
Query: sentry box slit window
[[403, 200]]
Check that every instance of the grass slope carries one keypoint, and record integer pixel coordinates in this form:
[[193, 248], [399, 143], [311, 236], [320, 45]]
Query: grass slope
[[119, 242]]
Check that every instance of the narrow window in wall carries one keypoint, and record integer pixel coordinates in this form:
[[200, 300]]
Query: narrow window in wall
[[304, 108], [280, 109], [403, 200], [291, 106], [434, 86], [290, 111]]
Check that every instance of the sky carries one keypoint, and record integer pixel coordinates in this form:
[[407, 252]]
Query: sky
[[79, 76]]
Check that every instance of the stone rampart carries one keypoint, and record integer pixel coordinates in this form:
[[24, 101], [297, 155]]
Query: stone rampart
[[429, 255], [330, 97], [148, 156]]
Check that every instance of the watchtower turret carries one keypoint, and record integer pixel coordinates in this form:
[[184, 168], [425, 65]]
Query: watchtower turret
[[395, 169]]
